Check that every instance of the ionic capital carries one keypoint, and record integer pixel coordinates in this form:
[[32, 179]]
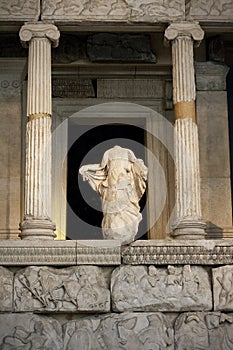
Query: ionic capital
[[190, 29], [39, 30]]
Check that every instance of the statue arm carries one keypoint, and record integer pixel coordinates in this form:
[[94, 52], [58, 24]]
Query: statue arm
[[94, 174]]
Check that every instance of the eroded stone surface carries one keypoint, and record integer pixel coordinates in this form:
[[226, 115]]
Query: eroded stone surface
[[29, 331], [81, 288], [6, 289], [160, 289], [204, 331], [120, 48], [223, 288], [113, 10], [221, 10], [19, 10], [211, 76], [131, 331]]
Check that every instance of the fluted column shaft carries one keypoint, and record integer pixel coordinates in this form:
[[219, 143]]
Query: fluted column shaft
[[189, 224], [37, 222]]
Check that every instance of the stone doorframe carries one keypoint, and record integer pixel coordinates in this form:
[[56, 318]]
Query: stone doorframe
[[158, 203]]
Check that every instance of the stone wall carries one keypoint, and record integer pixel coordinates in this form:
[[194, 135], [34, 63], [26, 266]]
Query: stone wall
[[212, 119], [117, 307], [11, 71]]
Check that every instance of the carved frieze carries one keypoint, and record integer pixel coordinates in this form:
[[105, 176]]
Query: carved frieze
[[29, 331], [73, 88], [10, 87], [202, 330], [127, 331], [44, 289], [6, 289], [22, 10], [113, 10], [221, 10], [223, 288], [160, 289], [112, 47]]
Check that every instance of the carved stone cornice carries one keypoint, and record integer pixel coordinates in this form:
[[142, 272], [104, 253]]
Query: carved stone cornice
[[190, 29], [39, 30], [59, 253], [192, 252]]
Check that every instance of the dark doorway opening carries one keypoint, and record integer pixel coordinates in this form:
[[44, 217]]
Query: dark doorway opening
[[87, 144]]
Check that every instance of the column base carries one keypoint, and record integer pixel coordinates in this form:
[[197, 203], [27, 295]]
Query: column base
[[189, 229], [37, 229]]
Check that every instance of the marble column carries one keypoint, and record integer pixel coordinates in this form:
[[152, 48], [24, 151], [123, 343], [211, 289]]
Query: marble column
[[37, 223], [189, 224]]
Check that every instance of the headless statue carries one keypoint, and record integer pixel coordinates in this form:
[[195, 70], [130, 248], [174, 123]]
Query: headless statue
[[120, 180]]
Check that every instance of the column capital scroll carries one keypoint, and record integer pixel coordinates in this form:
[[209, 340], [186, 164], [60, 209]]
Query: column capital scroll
[[190, 29], [39, 30]]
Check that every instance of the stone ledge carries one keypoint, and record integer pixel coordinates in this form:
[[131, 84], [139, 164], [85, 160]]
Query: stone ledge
[[109, 252], [193, 252], [59, 253]]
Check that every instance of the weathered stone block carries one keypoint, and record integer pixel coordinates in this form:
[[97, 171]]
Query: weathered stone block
[[29, 331], [204, 330], [216, 201], [219, 11], [129, 331], [6, 289], [126, 88], [114, 10], [21, 10], [223, 288], [43, 289], [211, 76], [136, 288], [120, 48]]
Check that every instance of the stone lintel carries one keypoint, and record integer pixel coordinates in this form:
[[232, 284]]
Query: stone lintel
[[193, 252], [191, 29], [39, 30], [59, 253]]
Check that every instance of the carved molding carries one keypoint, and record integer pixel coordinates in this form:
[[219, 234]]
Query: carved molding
[[39, 30], [58, 253], [200, 252]]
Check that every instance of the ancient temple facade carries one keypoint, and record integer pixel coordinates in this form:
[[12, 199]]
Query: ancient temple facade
[[76, 79]]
